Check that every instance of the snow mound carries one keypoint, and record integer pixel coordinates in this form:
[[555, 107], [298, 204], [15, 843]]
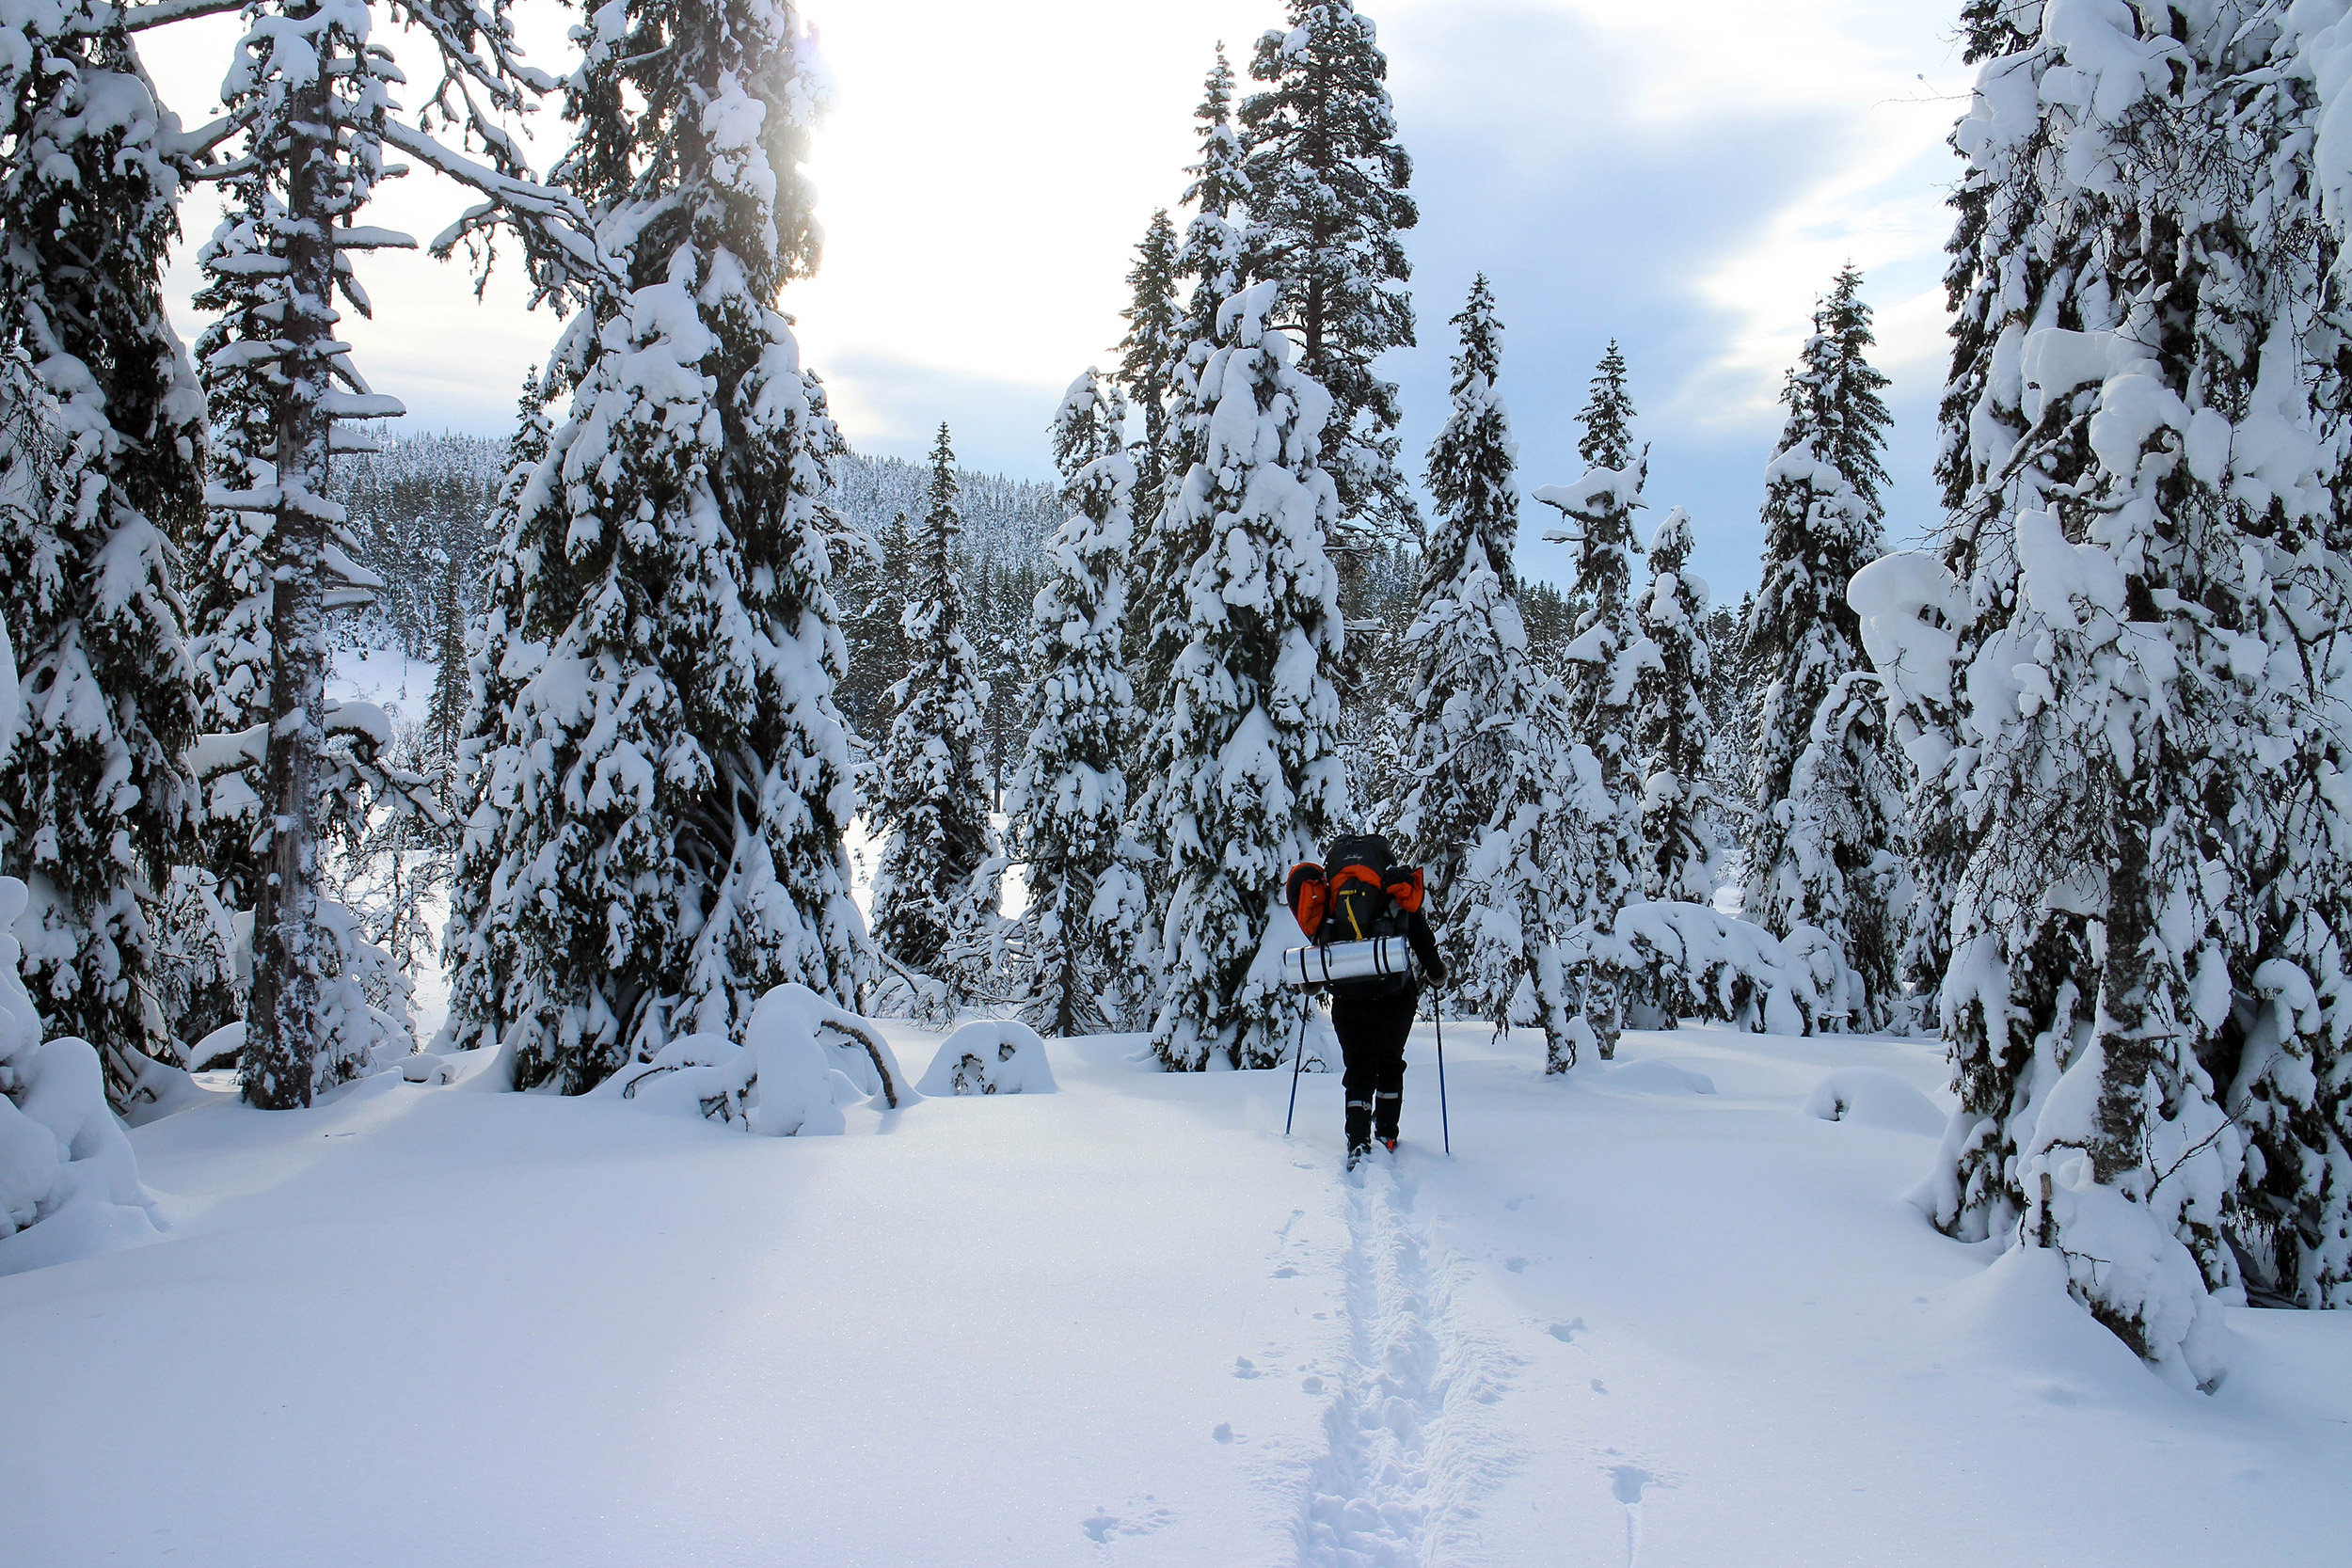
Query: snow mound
[[1875, 1098], [802, 1060], [991, 1057], [69, 1183], [1699, 962], [1651, 1078]]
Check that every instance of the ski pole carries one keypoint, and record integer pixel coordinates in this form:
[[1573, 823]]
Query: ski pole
[[1445, 1124], [1299, 1061]]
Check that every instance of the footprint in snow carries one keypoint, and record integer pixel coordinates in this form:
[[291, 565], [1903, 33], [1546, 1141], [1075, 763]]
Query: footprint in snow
[[1244, 1366], [1567, 1333], [1625, 1483], [1103, 1524], [1516, 1265]]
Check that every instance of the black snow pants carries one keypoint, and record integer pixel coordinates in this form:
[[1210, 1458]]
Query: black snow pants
[[1372, 1032]]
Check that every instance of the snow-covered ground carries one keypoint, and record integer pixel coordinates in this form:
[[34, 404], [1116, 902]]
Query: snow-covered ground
[[400, 685], [1632, 1323]]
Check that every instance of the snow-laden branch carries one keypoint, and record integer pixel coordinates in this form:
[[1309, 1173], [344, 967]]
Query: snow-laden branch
[[543, 215], [155, 13]]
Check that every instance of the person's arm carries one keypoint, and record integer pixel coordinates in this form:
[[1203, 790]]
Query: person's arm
[[1424, 943]]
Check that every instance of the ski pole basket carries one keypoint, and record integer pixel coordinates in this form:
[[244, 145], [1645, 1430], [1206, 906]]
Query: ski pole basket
[[1347, 960]]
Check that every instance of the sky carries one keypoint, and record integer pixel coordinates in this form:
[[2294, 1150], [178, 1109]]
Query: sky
[[1684, 179]]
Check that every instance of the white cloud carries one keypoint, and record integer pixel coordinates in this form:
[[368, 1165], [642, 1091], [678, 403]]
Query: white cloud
[[1884, 71], [987, 169]]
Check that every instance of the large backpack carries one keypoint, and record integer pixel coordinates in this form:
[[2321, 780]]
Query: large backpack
[[1357, 894]]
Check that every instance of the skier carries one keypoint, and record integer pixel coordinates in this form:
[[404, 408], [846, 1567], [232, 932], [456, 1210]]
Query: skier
[[1359, 893]]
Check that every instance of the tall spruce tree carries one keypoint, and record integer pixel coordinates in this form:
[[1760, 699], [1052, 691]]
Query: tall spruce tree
[[1527, 883], [657, 837], [1841, 834], [482, 946], [1209, 269], [2103, 682], [935, 885], [1168, 538], [1672, 726], [1606, 439], [873, 594], [1242, 744], [1150, 357], [314, 92], [1467, 639], [1328, 202], [1822, 525], [1605, 661], [1498, 802], [445, 710], [1067, 804], [106, 441], [310, 92]]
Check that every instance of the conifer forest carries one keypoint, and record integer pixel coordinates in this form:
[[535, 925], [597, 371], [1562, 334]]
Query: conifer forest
[[1879, 1038]]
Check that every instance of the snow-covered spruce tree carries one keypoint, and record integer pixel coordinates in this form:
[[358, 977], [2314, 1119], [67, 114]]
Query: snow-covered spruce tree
[[308, 92], [445, 711], [1327, 179], [935, 883], [1243, 743], [873, 597], [1605, 661], [1502, 811], [1068, 802], [1526, 887], [1150, 356], [229, 576], [1607, 441], [107, 440], [1822, 525], [657, 838], [2141, 522], [1169, 539], [314, 93], [1841, 864], [1671, 723], [1209, 269], [1470, 678], [481, 948]]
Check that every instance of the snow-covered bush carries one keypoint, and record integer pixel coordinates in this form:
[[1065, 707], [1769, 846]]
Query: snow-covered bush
[[991, 1057], [1875, 1098], [802, 1060], [69, 1183], [1699, 962]]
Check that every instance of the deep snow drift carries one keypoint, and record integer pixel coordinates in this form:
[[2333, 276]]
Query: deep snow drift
[[1662, 1311]]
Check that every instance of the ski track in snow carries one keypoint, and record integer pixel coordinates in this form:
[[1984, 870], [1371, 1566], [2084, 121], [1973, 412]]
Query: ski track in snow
[[1410, 1435]]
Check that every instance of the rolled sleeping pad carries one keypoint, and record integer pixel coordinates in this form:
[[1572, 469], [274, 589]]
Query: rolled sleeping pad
[[1347, 960]]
